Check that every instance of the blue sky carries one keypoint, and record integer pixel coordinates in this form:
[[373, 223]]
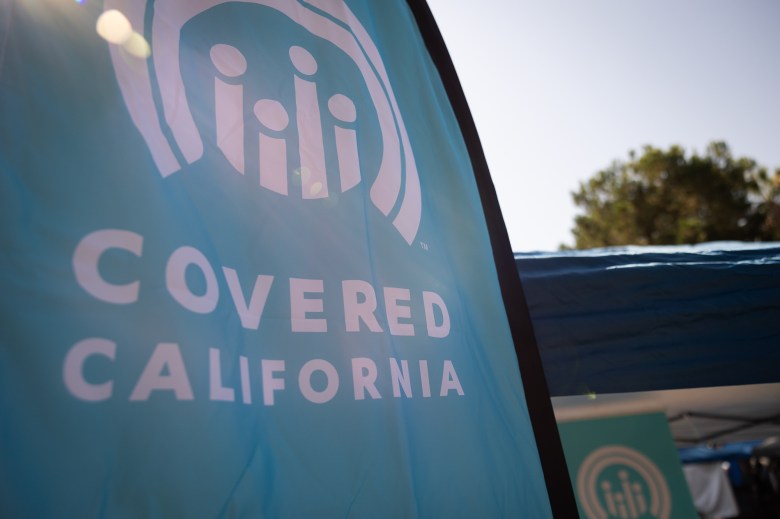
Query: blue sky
[[560, 89]]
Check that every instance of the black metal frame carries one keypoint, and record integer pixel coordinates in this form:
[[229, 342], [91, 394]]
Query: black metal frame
[[745, 423]]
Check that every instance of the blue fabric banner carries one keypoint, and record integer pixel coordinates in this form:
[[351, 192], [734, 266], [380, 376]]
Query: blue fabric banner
[[245, 270]]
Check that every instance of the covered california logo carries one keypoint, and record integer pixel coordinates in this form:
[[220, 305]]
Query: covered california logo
[[618, 482], [274, 117]]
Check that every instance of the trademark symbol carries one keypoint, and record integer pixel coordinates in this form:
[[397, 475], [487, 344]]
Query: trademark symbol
[[423, 245]]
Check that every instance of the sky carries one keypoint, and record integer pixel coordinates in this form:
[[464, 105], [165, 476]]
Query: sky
[[561, 89]]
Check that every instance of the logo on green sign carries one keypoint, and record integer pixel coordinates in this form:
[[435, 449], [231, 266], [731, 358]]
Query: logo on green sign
[[618, 482]]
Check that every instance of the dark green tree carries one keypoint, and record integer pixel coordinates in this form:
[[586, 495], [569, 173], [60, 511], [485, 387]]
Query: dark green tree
[[665, 197]]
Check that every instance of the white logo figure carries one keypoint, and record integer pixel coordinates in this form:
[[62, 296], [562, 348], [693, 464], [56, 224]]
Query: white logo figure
[[638, 491], [348, 35]]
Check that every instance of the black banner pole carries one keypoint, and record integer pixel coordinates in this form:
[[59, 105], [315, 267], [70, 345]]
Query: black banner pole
[[537, 396]]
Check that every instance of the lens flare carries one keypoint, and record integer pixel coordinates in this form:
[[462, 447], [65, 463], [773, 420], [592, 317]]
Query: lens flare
[[137, 46], [114, 27]]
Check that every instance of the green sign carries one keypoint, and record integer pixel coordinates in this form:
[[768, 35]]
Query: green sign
[[626, 467]]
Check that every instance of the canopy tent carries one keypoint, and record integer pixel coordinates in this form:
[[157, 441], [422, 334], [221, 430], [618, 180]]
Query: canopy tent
[[693, 331], [628, 319]]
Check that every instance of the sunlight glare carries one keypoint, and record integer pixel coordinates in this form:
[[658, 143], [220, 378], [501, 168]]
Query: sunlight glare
[[137, 46], [114, 27]]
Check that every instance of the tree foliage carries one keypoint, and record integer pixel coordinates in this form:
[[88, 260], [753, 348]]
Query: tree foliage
[[666, 197]]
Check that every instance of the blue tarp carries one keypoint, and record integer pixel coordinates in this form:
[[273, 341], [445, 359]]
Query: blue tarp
[[730, 452], [650, 318]]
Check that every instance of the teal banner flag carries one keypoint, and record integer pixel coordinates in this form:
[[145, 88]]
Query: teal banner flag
[[246, 270], [626, 467]]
